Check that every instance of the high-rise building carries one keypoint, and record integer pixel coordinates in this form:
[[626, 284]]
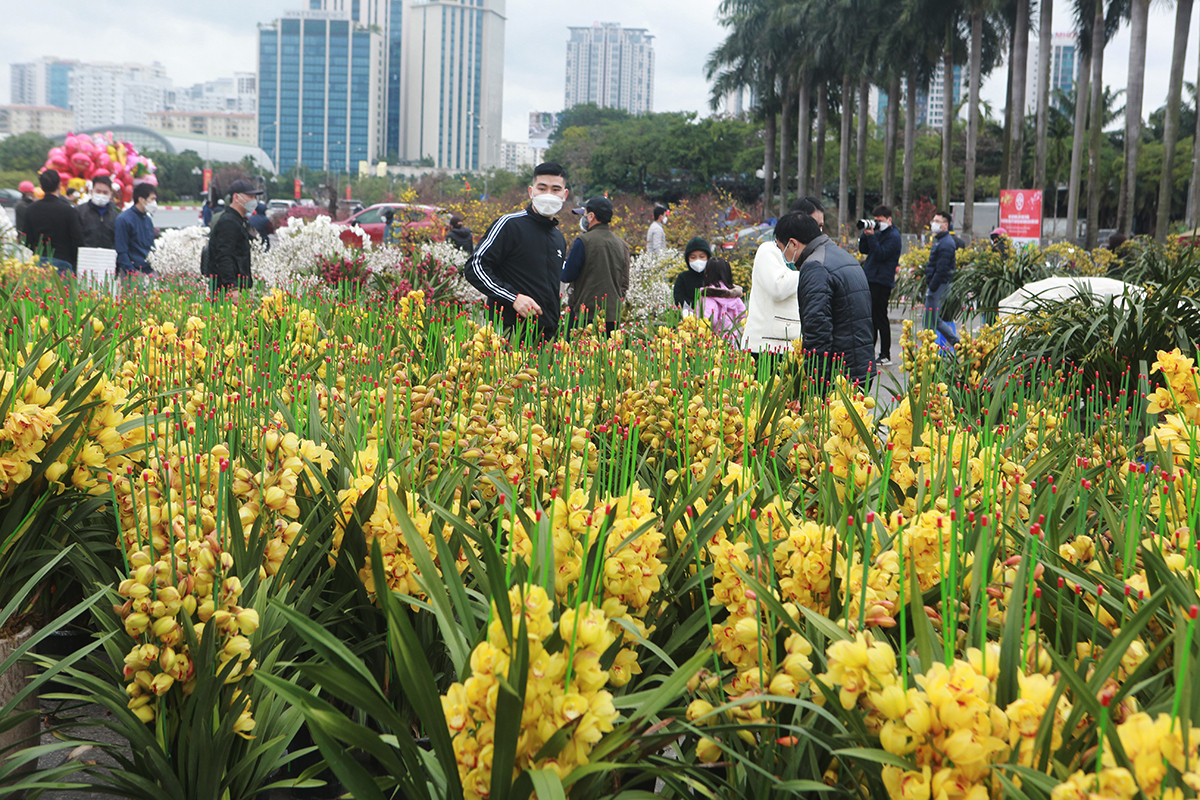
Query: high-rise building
[[610, 66], [321, 82], [237, 94], [45, 82], [46, 120], [395, 41], [107, 94], [1064, 69], [452, 82]]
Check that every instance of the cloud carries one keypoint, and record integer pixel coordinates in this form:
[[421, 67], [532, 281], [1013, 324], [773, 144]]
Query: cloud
[[198, 42]]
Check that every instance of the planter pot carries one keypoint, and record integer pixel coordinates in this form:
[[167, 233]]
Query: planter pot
[[13, 681], [59, 645]]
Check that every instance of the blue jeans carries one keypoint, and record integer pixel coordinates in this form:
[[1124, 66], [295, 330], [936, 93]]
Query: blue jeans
[[933, 314]]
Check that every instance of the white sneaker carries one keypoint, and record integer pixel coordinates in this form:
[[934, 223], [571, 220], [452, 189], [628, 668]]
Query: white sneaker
[[884, 362]]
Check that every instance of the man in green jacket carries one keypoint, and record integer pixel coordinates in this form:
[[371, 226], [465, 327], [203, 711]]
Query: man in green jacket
[[597, 267]]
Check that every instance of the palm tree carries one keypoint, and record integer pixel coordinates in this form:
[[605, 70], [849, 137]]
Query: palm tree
[[803, 134], [860, 189], [968, 220], [1193, 204], [844, 154], [1045, 22], [1017, 69], [751, 57], [1077, 152], [910, 145], [1097, 124], [1139, 20], [1183, 17], [822, 131], [889, 138]]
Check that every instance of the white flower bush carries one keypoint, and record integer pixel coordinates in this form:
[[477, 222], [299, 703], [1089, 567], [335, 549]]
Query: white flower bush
[[649, 292], [291, 261], [449, 254], [176, 253]]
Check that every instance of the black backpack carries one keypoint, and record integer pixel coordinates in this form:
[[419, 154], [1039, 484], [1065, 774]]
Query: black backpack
[[205, 269]]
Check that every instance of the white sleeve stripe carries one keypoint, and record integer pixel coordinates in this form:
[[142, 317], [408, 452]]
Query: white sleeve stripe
[[476, 267]]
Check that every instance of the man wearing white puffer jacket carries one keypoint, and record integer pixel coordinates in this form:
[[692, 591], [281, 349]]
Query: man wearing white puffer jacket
[[772, 316]]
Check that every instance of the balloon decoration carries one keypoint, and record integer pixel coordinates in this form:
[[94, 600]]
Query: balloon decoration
[[83, 157]]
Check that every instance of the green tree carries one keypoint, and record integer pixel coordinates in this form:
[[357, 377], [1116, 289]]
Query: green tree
[[179, 174], [586, 115], [24, 152]]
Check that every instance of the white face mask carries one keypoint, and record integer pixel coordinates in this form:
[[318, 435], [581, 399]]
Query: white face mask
[[547, 204], [935, 227], [151, 207], [698, 265], [882, 226], [101, 199]]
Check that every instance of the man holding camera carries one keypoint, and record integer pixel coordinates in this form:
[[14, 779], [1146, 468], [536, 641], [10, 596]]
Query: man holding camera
[[881, 243]]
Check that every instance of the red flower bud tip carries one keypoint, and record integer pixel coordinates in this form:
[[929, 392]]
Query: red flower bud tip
[[870, 517], [1099, 589], [849, 520], [1193, 611], [1106, 699], [754, 513], [537, 515], [1037, 591], [691, 511]]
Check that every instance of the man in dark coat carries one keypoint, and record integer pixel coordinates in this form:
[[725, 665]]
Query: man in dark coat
[[597, 267], [261, 225], [99, 216], [52, 226], [229, 241], [834, 300], [939, 272], [881, 243], [460, 235]]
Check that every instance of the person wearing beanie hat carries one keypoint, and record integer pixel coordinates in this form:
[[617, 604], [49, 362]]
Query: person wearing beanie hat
[[460, 235], [1000, 242]]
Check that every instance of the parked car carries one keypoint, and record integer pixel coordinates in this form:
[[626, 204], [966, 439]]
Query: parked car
[[9, 198], [280, 204], [427, 221]]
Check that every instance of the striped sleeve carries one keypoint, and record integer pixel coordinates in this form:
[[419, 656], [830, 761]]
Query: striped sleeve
[[480, 270]]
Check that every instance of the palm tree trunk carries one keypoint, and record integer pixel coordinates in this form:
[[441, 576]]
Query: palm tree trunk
[[1193, 205], [844, 154], [910, 149], [1139, 21], [822, 126], [784, 143], [803, 136], [860, 187], [976, 55], [947, 122], [889, 140], [1095, 134], [1006, 146], [1166, 184], [1045, 20], [1018, 68], [769, 166], [1081, 107]]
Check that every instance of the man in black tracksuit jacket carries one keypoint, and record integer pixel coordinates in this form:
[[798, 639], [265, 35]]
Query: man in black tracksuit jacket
[[519, 262]]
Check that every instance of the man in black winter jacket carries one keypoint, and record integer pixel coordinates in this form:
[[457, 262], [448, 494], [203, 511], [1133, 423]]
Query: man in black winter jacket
[[519, 262], [882, 245], [229, 241], [939, 273], [834, 300], [460, 235], [99, 216]]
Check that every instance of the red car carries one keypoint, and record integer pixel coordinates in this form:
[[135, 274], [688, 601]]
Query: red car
[[429, 221]]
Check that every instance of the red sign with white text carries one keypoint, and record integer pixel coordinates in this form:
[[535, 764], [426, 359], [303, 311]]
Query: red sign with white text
[[1021, 215]]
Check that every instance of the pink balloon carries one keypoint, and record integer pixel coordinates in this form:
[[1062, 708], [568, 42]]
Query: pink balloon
[[151, 179], [71, 144], [99, 172], [56, 152], [104, 160], [58, 164]]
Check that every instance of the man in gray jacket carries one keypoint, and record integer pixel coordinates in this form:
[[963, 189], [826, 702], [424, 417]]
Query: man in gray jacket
[[834, 300], [597, 267]]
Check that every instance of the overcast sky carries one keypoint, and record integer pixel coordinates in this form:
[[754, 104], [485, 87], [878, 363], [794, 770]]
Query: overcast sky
[[199, 41]]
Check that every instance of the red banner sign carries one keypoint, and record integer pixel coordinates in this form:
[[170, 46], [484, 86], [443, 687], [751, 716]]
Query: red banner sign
[[297, 188], [1021, 215], [207, 180], [347, 191]]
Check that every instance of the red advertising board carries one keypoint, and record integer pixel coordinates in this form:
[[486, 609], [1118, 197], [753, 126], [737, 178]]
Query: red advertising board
[[207, 180], [1021, 215], [297, 188]]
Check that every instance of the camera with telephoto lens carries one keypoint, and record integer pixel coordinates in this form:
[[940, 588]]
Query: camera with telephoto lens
[[867, 224]]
